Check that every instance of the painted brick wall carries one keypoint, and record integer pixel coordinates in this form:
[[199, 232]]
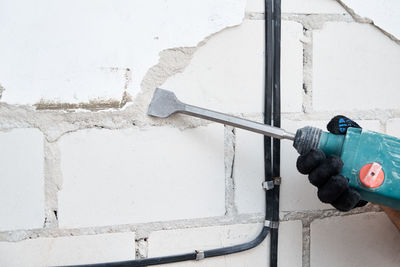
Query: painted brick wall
[[86, 176]]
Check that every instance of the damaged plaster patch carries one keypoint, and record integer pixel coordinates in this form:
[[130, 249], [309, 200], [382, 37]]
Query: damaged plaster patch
[[1, 91], [171, 62], [53, 183], [227, 65], [58, 119], [141, 248], [317, 21], [307, 70], [229, 156], [385, 15], [92, 105]]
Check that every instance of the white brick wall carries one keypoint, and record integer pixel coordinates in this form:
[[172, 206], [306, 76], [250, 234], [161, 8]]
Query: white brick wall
[[135, 184], [187, 240], [233, 81], [355, 67], [68, 250], [21, 179], [249, 172], [359, 240], [116, 184], [291, 66]]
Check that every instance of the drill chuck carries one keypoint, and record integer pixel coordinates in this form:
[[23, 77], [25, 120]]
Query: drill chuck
[[307, 138]]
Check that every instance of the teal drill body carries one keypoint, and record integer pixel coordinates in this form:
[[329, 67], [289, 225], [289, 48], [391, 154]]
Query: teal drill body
[[371, 163]]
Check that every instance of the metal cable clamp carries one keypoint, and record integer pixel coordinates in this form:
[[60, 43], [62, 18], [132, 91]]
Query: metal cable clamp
[[268, 185], [271, 224], [199, 255]]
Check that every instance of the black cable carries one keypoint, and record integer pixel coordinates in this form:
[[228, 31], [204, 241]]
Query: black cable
[[269, 66], [276, 113], [143, 262], [272, 112], [271, 164], [184, 257]]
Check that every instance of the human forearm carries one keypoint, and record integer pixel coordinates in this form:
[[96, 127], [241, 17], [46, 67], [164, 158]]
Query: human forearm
[[393, 214]]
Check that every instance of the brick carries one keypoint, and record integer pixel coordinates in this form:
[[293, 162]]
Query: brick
[[169, 242], [290, 243], [249, 172], [357, 240], [300, 6], [233, 81], [22, 179], [355, 67], [291, 67], [69, 250], [130, 176], [296, 192]]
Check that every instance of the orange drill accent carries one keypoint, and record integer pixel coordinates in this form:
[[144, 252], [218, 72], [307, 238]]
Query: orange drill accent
[[372, 175]]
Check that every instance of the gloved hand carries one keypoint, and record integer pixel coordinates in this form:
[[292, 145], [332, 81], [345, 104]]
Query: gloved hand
[[323, 172]]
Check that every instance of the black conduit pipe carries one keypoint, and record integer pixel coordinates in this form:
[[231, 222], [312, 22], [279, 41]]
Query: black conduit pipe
[[271, 156], [276, 114], [184, 257], [272, 112]]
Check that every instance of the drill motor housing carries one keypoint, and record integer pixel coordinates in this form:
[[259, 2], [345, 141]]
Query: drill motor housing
[[371, 160]]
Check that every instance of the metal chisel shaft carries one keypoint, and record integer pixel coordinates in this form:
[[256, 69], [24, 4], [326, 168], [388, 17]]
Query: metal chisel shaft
[[236, 122], [165, 103]]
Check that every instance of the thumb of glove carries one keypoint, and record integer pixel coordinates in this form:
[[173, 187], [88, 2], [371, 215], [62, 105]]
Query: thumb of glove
[[339, 124]]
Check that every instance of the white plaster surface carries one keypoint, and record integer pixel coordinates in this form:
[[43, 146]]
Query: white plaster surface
[[227, 73], [367, 240], [384, 14], [312, 7], [76, 51], [355, 67], [68, 250], [186, 240], [300, 6], [130, 176], [21, 179]]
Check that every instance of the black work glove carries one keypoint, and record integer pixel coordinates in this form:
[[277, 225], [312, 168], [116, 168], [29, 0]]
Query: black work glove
[[323, 172]]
